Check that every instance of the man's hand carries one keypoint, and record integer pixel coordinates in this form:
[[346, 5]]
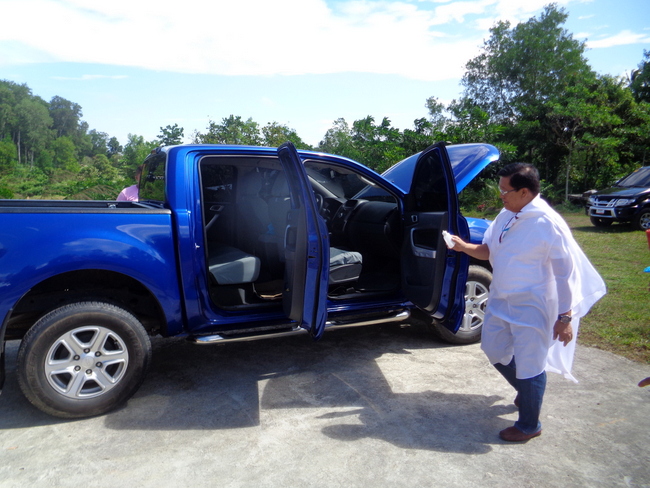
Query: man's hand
[[478, 251], [562, 332]]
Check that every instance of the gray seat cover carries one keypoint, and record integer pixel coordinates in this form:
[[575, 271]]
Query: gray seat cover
[[230, 266]]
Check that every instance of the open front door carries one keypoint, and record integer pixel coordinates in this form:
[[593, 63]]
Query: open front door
[[306, 249], [433, 278]]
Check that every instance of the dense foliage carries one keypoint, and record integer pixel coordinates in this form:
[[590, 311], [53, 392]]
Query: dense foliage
[[530, 92]]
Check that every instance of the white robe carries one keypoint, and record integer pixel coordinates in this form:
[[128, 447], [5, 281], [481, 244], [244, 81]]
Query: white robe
[[539, 272]]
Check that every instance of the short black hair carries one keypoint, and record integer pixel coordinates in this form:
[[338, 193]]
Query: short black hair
[[522, 175]]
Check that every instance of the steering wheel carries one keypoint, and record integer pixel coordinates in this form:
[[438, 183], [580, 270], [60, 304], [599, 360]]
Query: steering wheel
[[320, 202]]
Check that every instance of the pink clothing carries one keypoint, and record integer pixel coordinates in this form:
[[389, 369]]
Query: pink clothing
[[129, 194]]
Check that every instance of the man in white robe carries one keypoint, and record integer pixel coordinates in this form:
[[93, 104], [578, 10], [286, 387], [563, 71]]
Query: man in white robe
[[542, 284]]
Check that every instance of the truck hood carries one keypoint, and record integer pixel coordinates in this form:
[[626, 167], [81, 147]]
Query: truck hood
[[467, 160]]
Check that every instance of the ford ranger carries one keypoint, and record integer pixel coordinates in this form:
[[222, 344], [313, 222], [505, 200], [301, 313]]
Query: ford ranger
[[228, 243]]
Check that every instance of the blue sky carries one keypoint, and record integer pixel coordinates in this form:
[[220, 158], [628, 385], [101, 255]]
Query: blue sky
[[137, 65]]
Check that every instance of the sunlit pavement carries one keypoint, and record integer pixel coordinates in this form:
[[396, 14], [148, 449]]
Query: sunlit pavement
[[366, 407]]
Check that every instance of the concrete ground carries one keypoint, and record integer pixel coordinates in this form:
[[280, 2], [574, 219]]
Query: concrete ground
[[368, 407]]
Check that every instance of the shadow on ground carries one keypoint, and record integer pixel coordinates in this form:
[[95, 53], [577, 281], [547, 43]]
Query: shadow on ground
[[335, 382]]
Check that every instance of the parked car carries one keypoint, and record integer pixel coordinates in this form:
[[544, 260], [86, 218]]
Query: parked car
[[628, 200], [227, 243]]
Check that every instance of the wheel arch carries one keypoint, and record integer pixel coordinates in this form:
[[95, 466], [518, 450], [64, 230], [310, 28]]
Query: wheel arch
[[480, 263], [86, 285], [482, 276]]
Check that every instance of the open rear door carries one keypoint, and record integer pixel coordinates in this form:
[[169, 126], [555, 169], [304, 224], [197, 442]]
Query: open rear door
[[306, 248], [433, 278]]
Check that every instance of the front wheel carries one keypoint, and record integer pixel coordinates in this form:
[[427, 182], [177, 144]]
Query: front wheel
[[476, 295], [83, 359], [642, 219]]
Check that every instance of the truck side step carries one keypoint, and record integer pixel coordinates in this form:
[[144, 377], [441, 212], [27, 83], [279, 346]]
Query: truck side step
[[264, 333]]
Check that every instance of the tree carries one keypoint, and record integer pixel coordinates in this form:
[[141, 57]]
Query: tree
[[8, 117], [420, 137], [8, 154], [522, 68], [537, 90], [378, 146], [574, 121], [34, 127], [114, 147], [437, 119], [99, 168], [636, 131], [98, 141], [64, 154], [66, 116], [231, 130], [640, 79], [135, 151], [11, 94], [276, 134], [171, 135], [338, 139]]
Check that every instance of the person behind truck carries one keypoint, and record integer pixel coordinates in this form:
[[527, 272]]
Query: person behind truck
[[543, 283], [130, 193]]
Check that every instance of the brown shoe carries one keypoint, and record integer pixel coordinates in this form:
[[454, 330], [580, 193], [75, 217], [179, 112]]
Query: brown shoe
[[513, 434]]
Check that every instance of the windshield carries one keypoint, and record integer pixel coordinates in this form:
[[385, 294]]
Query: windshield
[[640, 178]]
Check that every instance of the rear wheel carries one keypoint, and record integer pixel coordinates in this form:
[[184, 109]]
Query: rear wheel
[[476, 295], [83, 359]]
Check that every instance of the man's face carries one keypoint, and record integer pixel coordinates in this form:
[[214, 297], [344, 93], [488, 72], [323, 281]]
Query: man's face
[[513, 200]]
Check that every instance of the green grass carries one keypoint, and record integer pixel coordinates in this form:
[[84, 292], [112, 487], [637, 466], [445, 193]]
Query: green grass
[[620, 321]]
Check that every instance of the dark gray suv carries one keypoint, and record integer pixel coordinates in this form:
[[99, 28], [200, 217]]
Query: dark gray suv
[[627, 201]]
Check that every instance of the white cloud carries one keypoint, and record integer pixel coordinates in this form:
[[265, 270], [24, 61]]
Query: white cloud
[[621, 39], [268, 102], [90, 77], [259, 37]]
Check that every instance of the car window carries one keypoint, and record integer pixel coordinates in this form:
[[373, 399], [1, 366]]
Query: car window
[[346, 184], [640, 178], [341, 182], [217, 182]]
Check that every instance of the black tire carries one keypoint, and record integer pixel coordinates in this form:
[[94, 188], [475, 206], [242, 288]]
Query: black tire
[[642, 219], [476, 295], [598, 222], [83, 359]]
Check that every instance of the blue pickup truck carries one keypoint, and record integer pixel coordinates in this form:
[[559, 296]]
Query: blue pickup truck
[[229, 243]]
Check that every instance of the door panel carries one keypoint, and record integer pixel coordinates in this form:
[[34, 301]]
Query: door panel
[[423, 258], [306, 250], [433, 278]]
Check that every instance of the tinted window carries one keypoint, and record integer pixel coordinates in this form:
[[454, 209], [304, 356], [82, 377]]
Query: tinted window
[[429, 188], [152, 181], [218, 182]]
